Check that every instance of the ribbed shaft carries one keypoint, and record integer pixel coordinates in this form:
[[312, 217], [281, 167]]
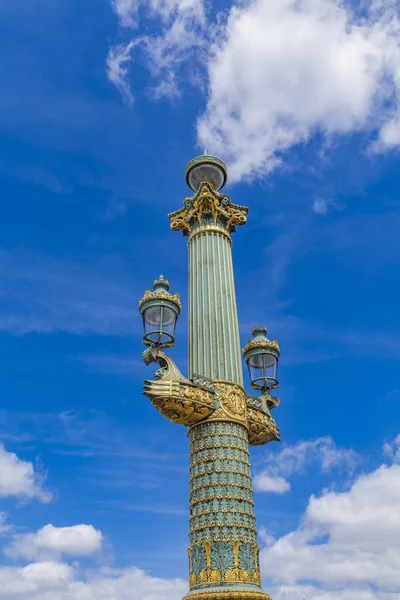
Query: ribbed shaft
[[214, 346]]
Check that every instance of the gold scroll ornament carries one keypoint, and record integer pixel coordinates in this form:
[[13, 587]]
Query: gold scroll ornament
[[180, 402], [183, 402], [207, 200]]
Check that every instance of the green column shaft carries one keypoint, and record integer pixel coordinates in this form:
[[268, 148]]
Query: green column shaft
[[223, 538], [214, 346]]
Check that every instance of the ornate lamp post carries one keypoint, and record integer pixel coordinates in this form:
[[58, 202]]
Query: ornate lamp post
[[223, 420]]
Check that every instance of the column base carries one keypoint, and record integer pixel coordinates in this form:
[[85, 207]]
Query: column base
[[228, 595]]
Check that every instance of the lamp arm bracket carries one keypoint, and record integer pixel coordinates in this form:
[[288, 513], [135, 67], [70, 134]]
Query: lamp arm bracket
[[169, 371], [180, 401]]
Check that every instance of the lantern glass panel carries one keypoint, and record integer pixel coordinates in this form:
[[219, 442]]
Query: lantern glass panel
[[159, 324], [152, 317], [263, 370]]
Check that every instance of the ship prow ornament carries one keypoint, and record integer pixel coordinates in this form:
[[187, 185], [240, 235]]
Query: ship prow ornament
[[223, 420]]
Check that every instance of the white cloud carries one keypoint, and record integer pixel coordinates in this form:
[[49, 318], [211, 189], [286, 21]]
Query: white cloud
[[127, 11], [18, 478], [59, 581], [178, 32], [320, 206], [309, 592], [266, 483], [321, 452], [282, 70], [347, 547], [117, 63], [392, 449], [347, 542], [46, 575], [50, 542]]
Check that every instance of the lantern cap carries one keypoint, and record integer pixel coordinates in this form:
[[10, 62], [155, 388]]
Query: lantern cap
[[260, 340], [161, 284], [161, 287], [206, 168]]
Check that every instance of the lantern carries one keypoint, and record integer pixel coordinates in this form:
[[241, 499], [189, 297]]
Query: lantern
[[261, 356], [160, 311], [206, 168]]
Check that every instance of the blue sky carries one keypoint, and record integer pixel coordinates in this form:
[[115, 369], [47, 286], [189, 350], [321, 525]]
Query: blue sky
[[103, 103]]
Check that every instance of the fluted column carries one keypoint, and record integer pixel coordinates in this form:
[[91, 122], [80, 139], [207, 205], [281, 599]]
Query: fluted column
[[223, 549], [214, 346]]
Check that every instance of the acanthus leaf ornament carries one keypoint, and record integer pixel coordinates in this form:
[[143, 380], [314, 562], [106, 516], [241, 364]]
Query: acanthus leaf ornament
[[148, 295], [262, 427], [209, 206], [252, 344]]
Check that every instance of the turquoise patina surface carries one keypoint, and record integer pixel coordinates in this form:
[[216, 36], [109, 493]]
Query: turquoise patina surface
[[222, 418]]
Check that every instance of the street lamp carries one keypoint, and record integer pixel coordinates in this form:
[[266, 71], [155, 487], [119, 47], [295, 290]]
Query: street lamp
[[261, 356], [160, 311], [223, 420]]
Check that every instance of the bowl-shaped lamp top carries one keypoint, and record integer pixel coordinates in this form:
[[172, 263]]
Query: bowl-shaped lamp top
[[206, 168]]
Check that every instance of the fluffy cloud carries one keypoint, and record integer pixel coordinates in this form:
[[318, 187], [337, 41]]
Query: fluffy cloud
[[309, 592], [18, 478], [118, 60], [283, 70], [50, 541], [59, 581], [347, 547], [321, 452], [265, 483], [392, 449], [347, 544], [178, 27], [127, 11], [278, 71]]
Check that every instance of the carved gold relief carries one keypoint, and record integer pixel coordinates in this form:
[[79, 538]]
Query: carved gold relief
[[214, 576], [262, 427], [237, 576], [252, 344], [182, 412], [234, 401], [256, 578], [175, 396], [148, 295], [209, 576], [207, 201]]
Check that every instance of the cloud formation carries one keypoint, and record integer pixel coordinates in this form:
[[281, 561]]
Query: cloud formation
[[177, 33], [117, 67], [51, 542], [321, 453], [18, 478], [347, 542], [346, 547], [275, 72], [59, 581], [281, 71]]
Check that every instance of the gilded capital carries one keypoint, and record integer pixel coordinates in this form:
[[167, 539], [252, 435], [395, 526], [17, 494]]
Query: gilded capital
[[208, 208]]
